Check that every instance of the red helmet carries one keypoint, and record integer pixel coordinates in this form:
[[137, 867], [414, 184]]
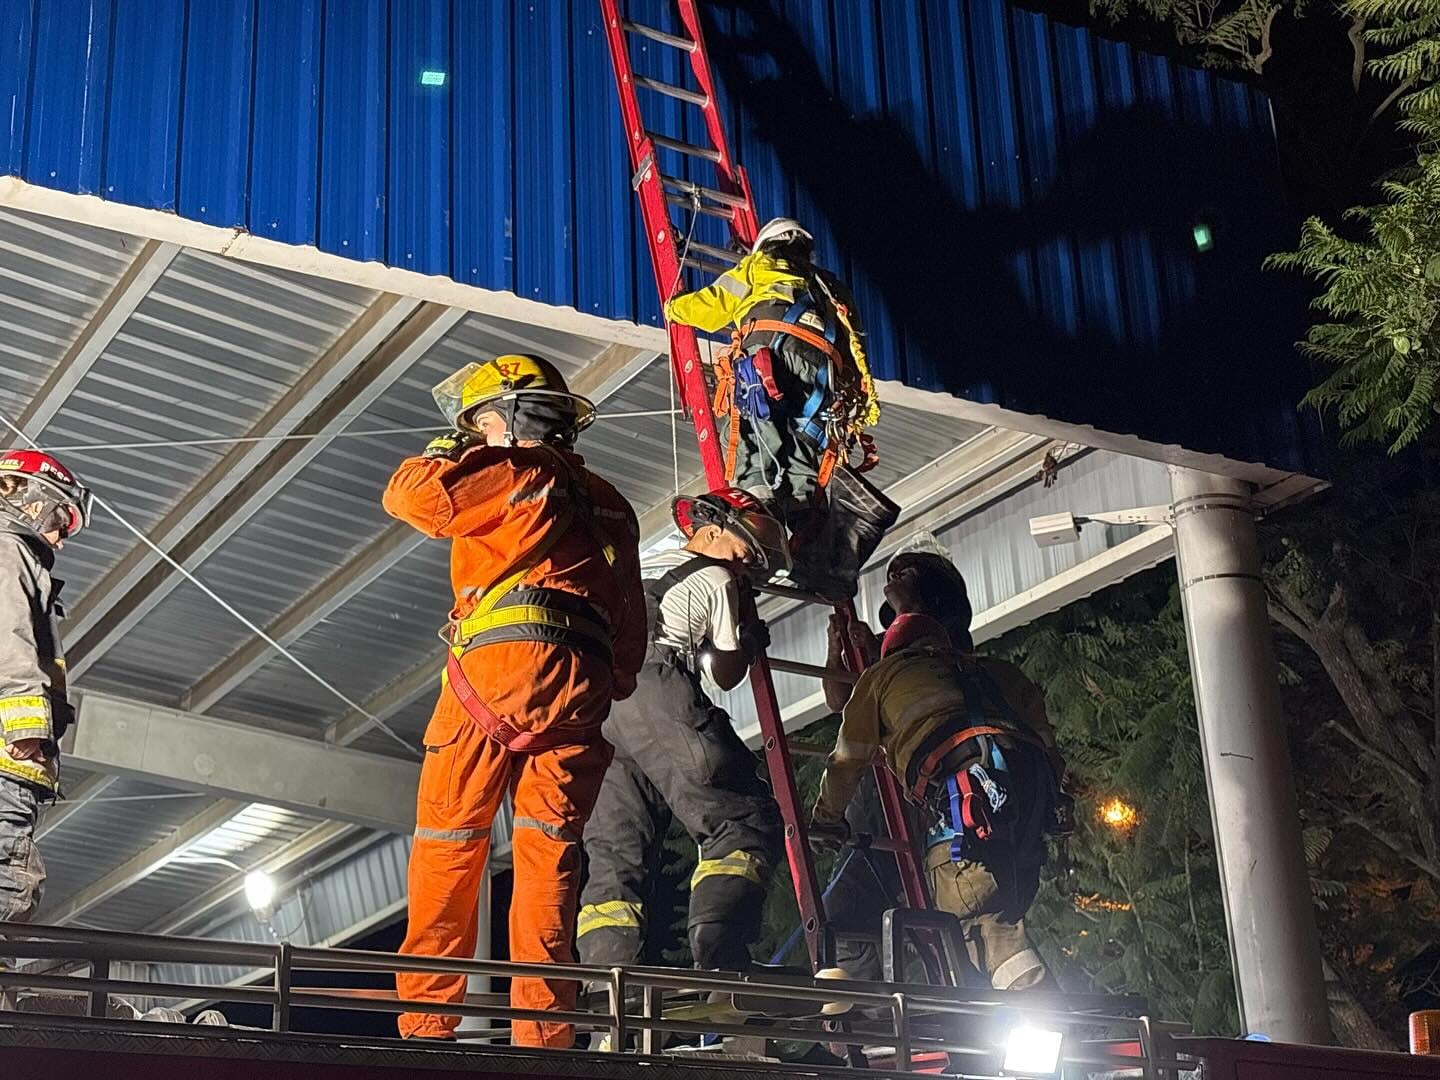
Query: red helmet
[[49, 497], [736, 510]]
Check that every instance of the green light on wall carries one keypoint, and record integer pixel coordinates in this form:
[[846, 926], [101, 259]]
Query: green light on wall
[[1204, 238], [432, 78]]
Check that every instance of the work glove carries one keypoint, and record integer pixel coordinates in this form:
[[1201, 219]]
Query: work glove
[[451, 445], [754, 639], [829, 835]]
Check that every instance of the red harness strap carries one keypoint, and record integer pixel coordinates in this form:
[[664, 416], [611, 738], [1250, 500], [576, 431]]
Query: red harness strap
[[505, 734]]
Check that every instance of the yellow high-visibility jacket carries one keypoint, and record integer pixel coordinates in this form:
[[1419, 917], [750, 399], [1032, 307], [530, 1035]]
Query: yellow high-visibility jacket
[[757, 279], [900, 700]]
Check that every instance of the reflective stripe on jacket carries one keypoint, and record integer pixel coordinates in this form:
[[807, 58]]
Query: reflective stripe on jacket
[[757, 279], [32, 667]]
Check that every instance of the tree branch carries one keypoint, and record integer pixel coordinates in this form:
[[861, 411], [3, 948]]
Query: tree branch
[[1414, 858], [1357, 45], [1385, 760], [1258, 62]]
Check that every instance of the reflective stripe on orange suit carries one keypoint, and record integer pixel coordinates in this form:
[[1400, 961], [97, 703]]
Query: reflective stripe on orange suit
[[494, 504]]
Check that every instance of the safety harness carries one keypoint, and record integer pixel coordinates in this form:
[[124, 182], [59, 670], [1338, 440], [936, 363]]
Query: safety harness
[[509, 611], [976, 797], [655, 590], [840, 405]]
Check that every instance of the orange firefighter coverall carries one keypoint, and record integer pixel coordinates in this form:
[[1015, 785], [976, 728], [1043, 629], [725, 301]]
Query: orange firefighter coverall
[[496, 505]]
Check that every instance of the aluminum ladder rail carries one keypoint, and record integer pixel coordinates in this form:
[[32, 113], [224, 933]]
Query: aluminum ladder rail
[[728, 199]]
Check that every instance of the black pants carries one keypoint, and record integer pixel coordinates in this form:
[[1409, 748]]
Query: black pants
[[675, 752], [834, 529]]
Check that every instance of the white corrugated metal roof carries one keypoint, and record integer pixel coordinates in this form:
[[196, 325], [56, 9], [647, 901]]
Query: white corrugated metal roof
[[213, 346]]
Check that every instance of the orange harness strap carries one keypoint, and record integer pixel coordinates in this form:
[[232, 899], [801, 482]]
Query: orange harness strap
[[932, 760]]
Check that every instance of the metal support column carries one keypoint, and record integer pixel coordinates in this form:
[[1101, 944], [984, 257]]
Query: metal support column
[[1274, 945]]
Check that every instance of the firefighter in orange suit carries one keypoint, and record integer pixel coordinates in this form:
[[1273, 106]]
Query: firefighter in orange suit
[[548, 629]]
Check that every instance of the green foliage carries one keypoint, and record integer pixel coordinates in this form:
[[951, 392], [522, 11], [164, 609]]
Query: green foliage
[[1225, 33], [1381, 277], [1137, 910]]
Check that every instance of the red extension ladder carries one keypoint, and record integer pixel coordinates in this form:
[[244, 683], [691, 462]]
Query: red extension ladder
[[672, 253]]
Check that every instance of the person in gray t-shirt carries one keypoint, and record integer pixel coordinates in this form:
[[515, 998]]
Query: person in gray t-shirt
[[677, 753]]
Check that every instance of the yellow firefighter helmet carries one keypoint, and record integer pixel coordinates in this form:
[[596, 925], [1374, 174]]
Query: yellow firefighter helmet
[[528, 392]]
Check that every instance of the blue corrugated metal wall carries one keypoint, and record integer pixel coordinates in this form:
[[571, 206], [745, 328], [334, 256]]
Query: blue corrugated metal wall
[[1011, 199]]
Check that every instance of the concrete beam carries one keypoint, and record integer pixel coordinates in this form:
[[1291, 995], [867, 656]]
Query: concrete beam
[[142, 865], [95, 337], [356, 370], [197, 753]]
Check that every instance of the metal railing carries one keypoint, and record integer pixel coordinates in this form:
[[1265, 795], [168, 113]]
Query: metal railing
[[904, 1019]]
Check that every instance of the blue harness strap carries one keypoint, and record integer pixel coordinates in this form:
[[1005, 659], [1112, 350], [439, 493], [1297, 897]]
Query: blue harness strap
[[808, 423], [751, 397]]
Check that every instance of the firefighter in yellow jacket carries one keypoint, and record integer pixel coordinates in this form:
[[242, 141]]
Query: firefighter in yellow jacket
[[793, 393]]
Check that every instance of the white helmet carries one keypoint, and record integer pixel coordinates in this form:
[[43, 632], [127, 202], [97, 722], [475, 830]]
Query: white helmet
[[780, 228]]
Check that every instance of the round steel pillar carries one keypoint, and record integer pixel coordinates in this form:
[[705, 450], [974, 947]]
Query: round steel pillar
[[1274, 945]]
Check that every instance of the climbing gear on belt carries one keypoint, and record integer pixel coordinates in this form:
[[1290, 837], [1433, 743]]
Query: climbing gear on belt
[[48, 497], [509, 612], [841, 403], [526, 391]]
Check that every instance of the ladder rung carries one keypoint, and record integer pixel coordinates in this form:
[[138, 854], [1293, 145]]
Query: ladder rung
[[682, 147], [815, 671], [659, 35], [794, 594], [808, 749], [706, 266], [716, 253], [694, 97], [675, 198], [689, 187]]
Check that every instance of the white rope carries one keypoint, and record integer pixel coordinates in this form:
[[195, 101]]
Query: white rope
[[371, 720], [165, 444]]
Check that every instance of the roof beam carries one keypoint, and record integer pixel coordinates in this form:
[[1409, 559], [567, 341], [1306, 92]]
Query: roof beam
[[378, 556], [197, 753], [98, 332], [941, 404], [612, 369], [1149, 548], [375, 351], [387, 701], [142, 865]]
